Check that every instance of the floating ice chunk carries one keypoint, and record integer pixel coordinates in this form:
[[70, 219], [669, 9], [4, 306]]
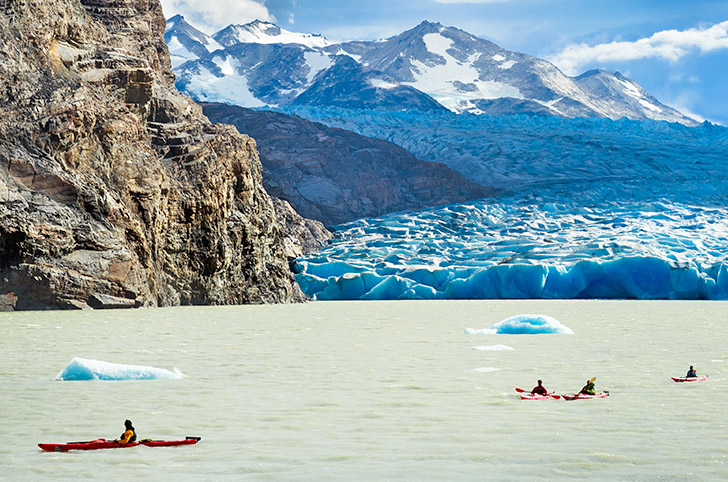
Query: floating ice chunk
[[524, 325], [87, 369], [493, 348]]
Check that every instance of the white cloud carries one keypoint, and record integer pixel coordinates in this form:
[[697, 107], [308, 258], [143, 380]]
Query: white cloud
[[670, 45], [210, 16]]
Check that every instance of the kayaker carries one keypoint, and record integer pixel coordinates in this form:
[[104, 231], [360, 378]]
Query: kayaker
[[539, 389], [588, 388], [692, 373], [129, 434]]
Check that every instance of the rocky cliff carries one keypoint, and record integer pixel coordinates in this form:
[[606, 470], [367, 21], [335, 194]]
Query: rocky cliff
[[115, 190]]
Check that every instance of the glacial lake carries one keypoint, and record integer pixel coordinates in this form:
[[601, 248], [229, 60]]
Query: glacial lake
[[368, 391]]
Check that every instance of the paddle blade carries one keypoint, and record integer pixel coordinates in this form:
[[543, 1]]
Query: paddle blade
[[556, 397], [592, 379], [520, 390]]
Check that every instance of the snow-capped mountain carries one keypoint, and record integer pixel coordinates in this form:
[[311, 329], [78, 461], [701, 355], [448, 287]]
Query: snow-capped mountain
[[185, 42], [264, 65], [259, 32]]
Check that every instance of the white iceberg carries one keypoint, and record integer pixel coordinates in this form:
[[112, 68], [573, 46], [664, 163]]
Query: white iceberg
[[87, 369]]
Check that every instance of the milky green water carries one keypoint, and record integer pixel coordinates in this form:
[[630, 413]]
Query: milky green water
[[332, 391]]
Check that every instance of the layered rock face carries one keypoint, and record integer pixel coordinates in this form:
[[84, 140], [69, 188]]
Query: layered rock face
[[115, 190]]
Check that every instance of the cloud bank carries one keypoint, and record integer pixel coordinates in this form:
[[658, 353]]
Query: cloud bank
[[670, 45], [211, 16]]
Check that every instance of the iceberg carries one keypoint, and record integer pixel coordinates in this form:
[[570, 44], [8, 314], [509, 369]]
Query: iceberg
[[524, 325], [87, 369], [494, 348]]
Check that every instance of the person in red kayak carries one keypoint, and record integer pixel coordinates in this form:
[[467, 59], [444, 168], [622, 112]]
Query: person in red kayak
[[129, 434], [588, 388], [692, 373], [539, 389]]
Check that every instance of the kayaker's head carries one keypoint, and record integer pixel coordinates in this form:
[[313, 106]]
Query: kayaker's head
[[691, 367], [540, 382], [128, 425]]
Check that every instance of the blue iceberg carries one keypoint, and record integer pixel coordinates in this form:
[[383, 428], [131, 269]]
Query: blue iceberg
[[524, 325], [87, 369]]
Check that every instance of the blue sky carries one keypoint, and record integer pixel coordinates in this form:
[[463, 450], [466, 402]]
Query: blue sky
[[677, 49]]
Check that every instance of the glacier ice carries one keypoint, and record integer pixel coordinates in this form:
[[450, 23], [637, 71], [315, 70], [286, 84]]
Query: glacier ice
[[554, 158], [88, 369], [514, 249], [524, 325], [586, 208]]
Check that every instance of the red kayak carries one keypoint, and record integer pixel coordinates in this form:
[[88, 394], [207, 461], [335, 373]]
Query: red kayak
[[535, 396], [525, 395], [582, 396], [689, 379], [111, 444]]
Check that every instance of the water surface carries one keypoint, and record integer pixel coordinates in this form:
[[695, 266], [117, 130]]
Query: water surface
[[371, 391]]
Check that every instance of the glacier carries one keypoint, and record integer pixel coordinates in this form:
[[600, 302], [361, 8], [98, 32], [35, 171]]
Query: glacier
[[519, 250], [524, 325], [556, 158], [586, 208], [88, 369]]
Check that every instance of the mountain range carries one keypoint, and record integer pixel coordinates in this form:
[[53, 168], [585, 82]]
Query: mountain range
[[430, 67]]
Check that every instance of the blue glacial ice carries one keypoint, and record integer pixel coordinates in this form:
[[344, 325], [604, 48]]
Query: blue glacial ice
[[557, 159], [87, 369], [585, 208], [524, 325], [484, 250]]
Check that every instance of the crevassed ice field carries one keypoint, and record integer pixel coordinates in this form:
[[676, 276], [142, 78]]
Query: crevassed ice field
[[586, 208]]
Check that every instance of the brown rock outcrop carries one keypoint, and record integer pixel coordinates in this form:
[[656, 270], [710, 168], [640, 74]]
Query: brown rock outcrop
[[334, 176], [115, 190]]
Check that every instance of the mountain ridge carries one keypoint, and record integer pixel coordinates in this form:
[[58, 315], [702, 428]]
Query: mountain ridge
[[458, 70]]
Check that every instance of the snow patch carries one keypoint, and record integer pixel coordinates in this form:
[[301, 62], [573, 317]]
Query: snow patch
[[437, 79], [382, 84], [257, 32], [316, 62], [230, 89]]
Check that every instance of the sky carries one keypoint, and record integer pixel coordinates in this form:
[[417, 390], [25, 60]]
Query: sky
[[676, 49]]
